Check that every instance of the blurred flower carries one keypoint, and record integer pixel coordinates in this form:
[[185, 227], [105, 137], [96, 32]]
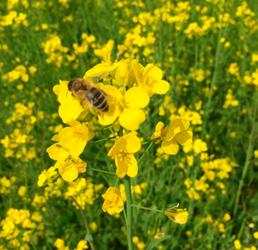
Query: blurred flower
[[60, 245], [82, 245], [178, 132], [70, 168], [237, 244], [179, 216], [113, 202]]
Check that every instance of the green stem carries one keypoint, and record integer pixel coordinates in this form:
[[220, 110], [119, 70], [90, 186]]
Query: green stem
[[88, 235], [102, 171], [129, 212], [148, 209], [215, 79], [249, 155]]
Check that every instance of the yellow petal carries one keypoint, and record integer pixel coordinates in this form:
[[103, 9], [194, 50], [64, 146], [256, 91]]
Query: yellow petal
[[133, 143], [57, 152], [177, 126], [68, 172], [42, 178], [100, 70], [132, 170], [137, 69], [184, 137], [74, 138], [152, 71], [70, 168], [61, 90], [158, 131], [122, 74], [160, 87], [121, 166], [69, 110], [170, 148], [131, 118], [136, 97]]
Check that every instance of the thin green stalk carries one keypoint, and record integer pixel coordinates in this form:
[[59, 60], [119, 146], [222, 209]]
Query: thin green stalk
[[148, 209], [147, 149], [215, 78], [249, 155], [88, 235], [129, 214], [102, 171]]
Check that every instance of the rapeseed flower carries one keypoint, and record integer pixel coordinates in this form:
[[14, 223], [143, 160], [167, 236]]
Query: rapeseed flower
[[150, 79], [113, 202], [178, 132], [70, 168], [123, 154], [179, 216]]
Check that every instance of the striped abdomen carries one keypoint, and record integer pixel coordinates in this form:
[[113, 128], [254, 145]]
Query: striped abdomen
[[97, 98]]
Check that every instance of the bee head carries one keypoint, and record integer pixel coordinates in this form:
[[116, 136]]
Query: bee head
[[74, 84]]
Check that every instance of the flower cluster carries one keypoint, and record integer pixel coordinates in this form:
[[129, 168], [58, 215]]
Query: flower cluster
[[20, 228], [128, 88]]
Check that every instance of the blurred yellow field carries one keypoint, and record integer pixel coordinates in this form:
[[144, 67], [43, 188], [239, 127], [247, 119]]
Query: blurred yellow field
[[128, 125]]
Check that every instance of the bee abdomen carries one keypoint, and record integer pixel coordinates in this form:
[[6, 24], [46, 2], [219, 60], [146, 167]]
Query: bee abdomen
[[98, 100]]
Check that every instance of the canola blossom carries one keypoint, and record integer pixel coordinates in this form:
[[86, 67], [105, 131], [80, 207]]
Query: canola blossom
[[165, 113]]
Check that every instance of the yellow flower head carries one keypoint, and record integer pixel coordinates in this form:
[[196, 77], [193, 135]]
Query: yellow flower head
[[178, 132], [70, 168], [71, 141], [113, 202], [179, 216], [150, 79], [82, 245], [105, 52], [123, 154]]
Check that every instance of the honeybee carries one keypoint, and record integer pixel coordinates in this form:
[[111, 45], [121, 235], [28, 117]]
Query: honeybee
[[83, 90]]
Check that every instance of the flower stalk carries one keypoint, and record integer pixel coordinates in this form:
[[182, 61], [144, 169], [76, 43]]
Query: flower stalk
[[129, 214]]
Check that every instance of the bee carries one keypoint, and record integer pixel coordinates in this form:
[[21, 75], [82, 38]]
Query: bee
[[83, 90]]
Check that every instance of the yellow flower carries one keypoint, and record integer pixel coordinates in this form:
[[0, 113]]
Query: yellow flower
[[123, 154], [105, 52], [237, 244], [226, 217], [60, 245], [74, 138], [46, 175], [179, 216], [82, 245], [70, 168], [150, 79], [71, 141], [256, 235], [70, 107], [199, 146], [113, 202], [22, 191], [57, 152], [178, 132]]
